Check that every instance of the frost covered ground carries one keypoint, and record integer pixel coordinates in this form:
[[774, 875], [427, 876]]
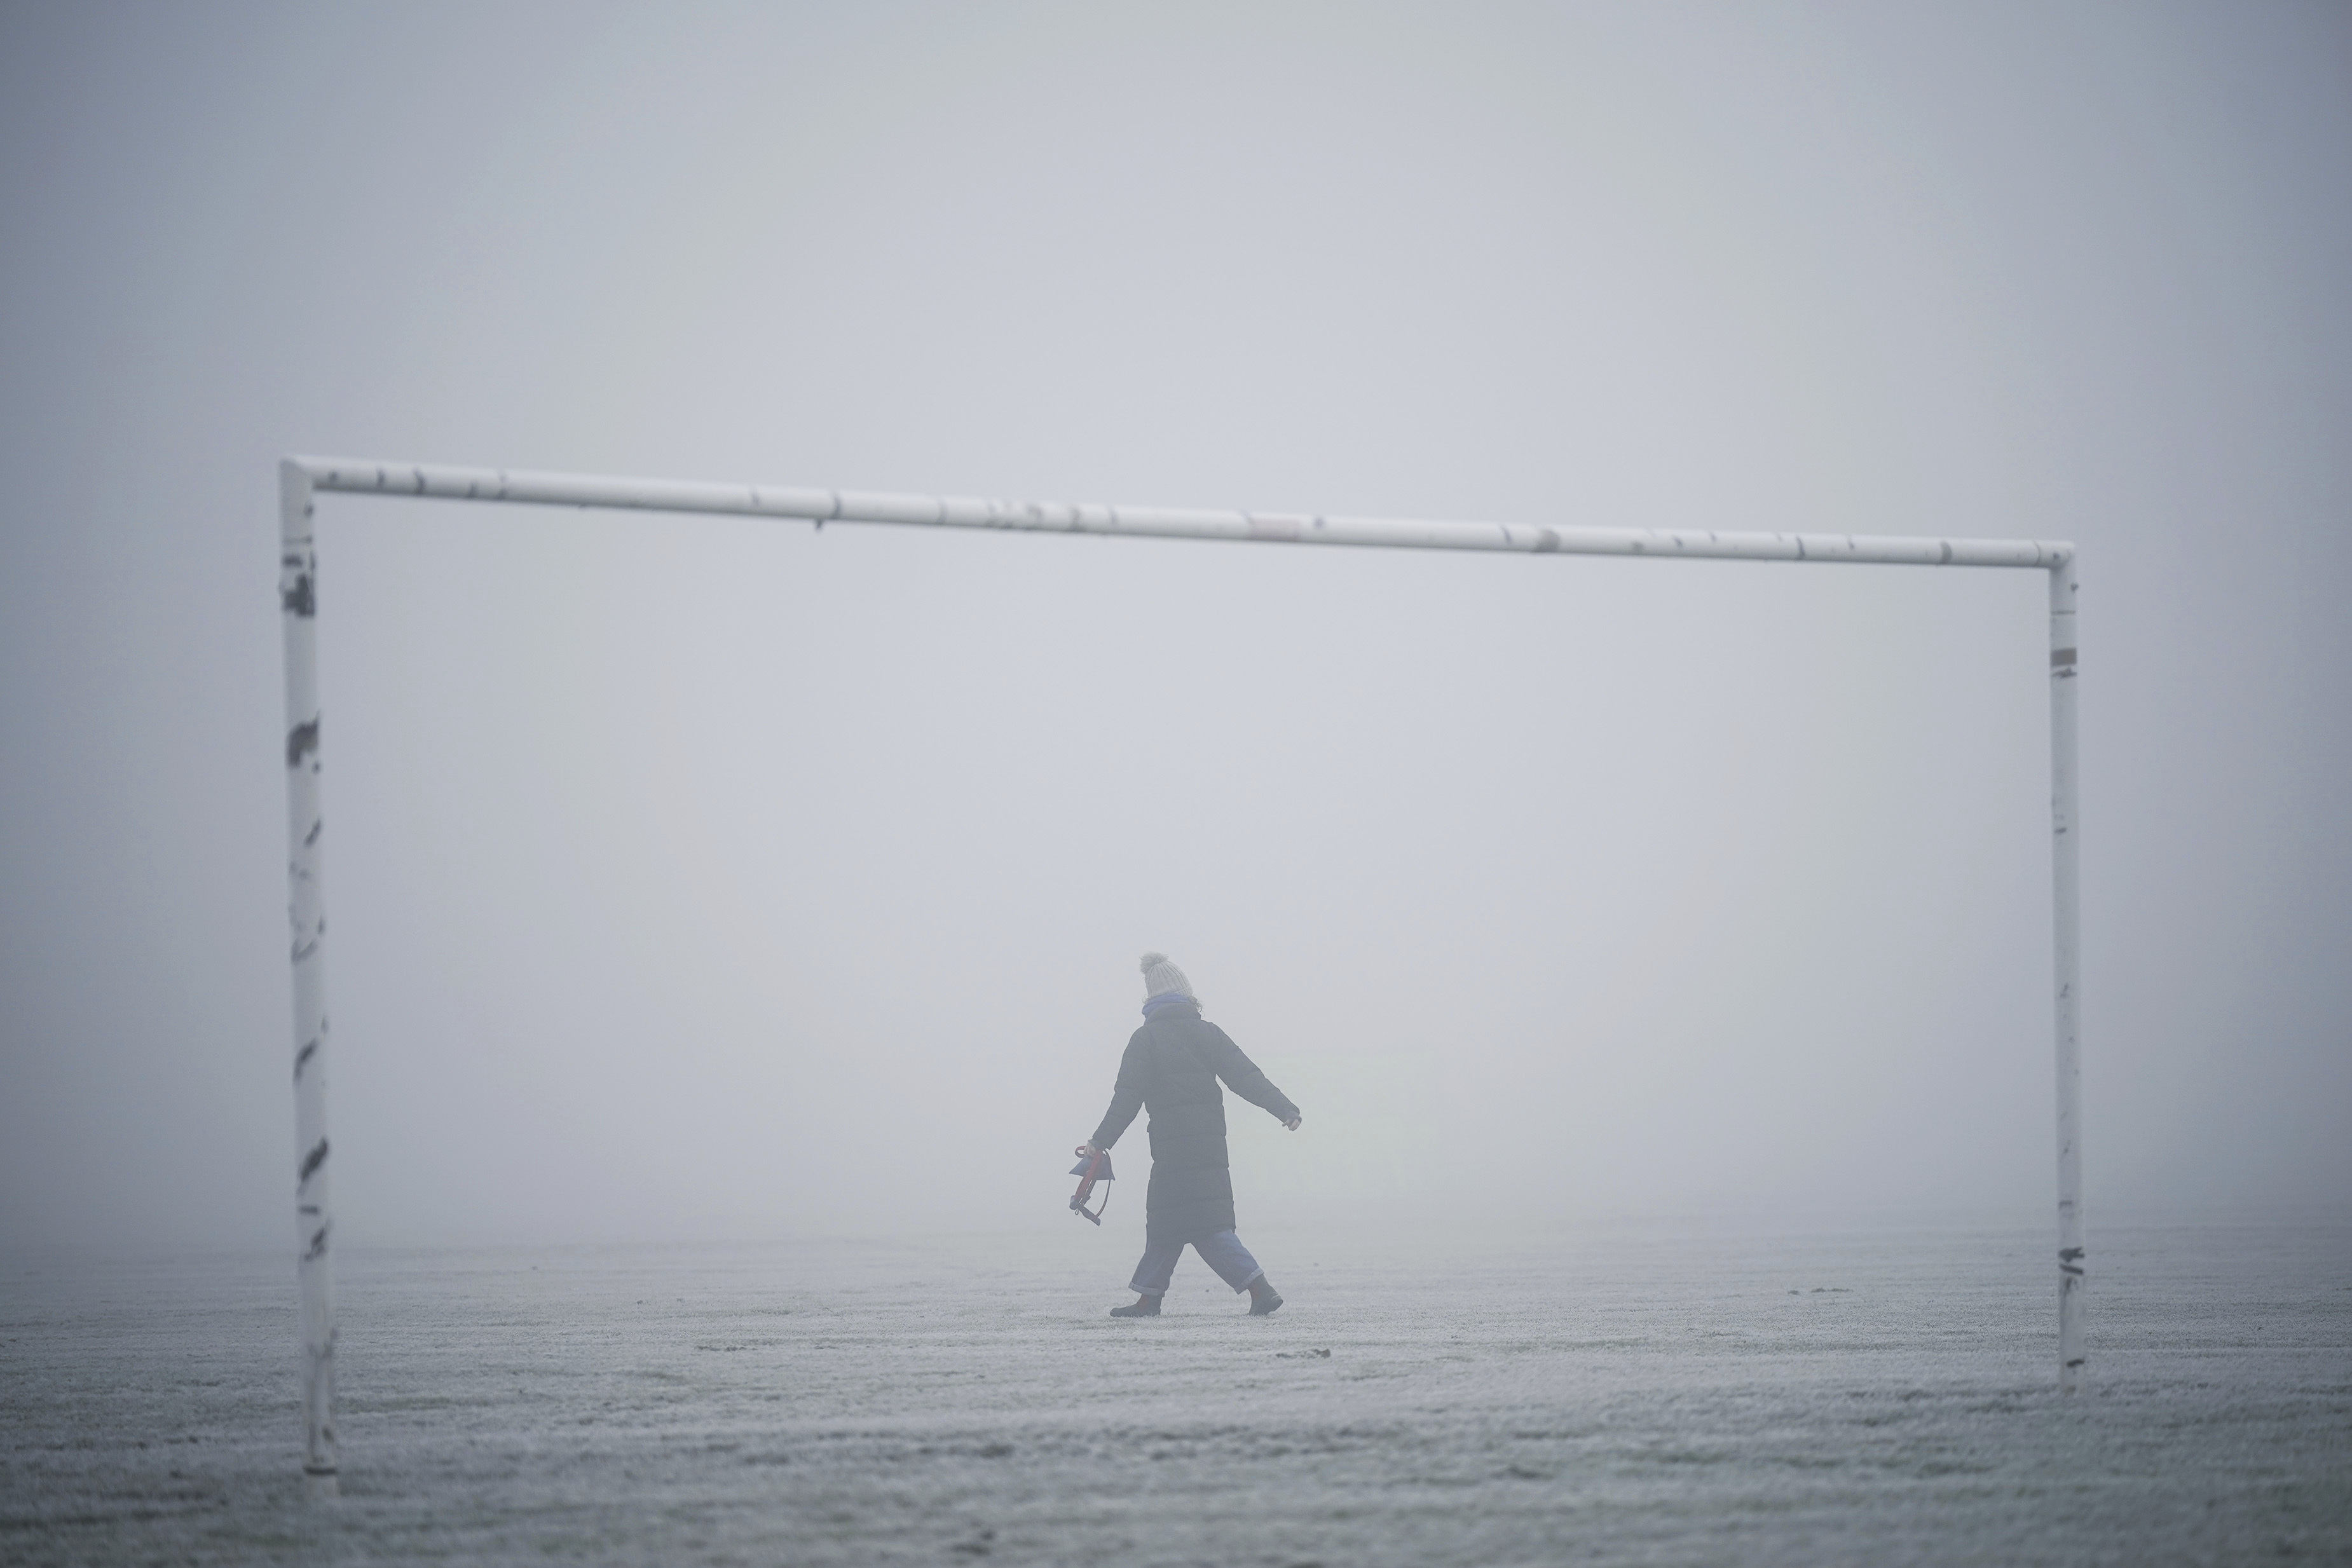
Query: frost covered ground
[[1686, 1394]]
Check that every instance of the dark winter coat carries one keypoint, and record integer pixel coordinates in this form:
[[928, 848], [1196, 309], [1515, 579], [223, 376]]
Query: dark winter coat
[[1171, 1066]]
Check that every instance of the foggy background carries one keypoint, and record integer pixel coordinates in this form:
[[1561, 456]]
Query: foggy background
[[694, 877]]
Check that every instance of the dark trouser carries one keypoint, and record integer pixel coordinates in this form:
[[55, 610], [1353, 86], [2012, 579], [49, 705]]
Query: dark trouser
[[1222, 1251]]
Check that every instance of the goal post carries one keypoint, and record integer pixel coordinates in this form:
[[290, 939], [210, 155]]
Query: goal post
[[299, 479]]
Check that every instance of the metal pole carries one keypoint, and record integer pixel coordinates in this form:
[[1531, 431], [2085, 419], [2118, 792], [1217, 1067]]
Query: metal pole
[[298, 578], [2065, 847], [365, 477]]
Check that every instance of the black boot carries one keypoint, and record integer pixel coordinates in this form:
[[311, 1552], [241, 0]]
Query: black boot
[[1264, 1297], [1145, 1307]]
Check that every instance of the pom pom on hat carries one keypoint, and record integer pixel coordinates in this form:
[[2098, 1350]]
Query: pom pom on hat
[[1161, 977]]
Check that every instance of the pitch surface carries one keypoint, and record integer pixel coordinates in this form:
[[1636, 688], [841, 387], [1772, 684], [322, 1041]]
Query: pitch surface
[[1694, 1394]]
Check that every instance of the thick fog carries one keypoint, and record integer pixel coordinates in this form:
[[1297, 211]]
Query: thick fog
[[693, 877]]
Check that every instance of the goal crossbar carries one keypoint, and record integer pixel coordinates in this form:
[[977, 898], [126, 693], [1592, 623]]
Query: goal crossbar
[[300, 477], [1155, 522]]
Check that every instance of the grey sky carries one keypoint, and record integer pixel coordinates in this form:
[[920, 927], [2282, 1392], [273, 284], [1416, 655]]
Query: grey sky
[[691, 876]]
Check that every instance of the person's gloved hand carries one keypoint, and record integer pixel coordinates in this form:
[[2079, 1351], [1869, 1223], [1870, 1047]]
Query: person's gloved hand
[[1292, 1125], [1086, 1151]]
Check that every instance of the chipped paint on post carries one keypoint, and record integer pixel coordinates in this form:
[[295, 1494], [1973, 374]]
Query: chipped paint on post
[[298, 566], [2065, 850]]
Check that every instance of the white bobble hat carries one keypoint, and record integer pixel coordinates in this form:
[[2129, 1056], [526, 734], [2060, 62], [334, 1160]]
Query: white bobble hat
[[1160, 978]]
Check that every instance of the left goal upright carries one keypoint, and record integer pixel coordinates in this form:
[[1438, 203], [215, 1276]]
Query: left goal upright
[[297, 593]]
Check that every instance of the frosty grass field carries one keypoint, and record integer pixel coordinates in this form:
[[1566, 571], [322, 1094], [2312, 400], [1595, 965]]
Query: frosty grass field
[[1688, 1394]]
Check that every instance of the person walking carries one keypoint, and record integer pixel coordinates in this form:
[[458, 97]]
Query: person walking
[[1172, 1067]]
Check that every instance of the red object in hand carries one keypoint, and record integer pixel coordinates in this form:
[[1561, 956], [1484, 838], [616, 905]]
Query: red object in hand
[[1093, 1168]]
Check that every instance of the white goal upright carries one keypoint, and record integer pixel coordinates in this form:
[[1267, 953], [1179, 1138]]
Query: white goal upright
[[300, 477]]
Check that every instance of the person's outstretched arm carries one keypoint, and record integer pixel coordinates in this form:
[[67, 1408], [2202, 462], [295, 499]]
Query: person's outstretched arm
[[1245, 1078], [1126, 1100]]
